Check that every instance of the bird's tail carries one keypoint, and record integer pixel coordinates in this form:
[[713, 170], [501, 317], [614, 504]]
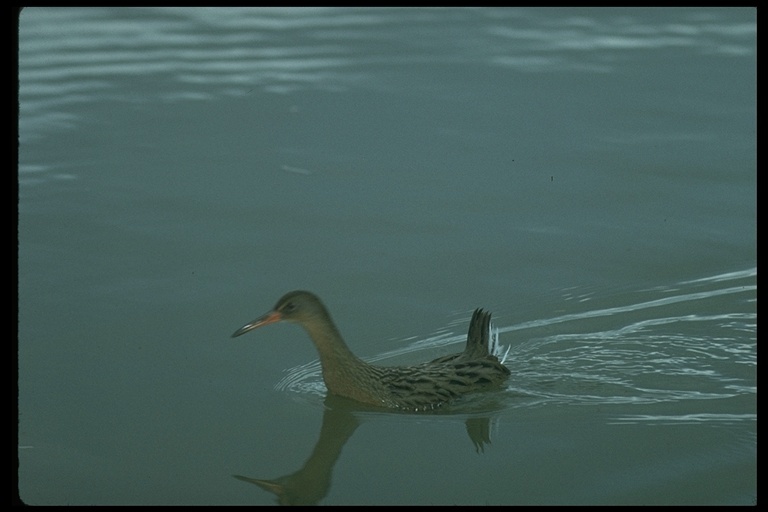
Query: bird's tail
[[483, 337]]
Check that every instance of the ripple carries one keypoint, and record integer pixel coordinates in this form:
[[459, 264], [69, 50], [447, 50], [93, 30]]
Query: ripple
[[71, 55], [684, 419], [688, 356]]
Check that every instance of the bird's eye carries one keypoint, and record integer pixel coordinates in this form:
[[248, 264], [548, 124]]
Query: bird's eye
[[289, 307]]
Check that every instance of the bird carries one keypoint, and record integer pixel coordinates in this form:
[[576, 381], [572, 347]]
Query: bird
[[420, 387]]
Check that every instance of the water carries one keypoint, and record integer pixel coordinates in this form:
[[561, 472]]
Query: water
[[586, 174]]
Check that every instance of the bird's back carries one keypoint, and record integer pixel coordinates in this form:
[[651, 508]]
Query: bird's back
[[429, 385]]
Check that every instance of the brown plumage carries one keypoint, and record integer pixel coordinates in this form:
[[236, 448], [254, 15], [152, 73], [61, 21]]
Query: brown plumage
[[420, 387]]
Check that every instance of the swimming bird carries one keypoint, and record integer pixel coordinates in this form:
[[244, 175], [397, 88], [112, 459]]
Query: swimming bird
[[415, 388]]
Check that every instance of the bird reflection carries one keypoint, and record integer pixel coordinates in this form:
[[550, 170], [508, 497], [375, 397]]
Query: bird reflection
[[311, 483]]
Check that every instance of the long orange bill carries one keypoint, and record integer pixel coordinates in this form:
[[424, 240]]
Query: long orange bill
[[269, 318]]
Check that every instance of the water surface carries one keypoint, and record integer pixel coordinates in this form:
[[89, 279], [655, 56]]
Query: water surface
[[586, 174]]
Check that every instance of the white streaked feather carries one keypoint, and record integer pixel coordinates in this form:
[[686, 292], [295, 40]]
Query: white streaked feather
[[493, 341]]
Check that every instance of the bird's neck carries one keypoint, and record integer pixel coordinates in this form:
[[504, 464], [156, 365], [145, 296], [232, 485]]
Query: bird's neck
[[329, 343], [343, 371]]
